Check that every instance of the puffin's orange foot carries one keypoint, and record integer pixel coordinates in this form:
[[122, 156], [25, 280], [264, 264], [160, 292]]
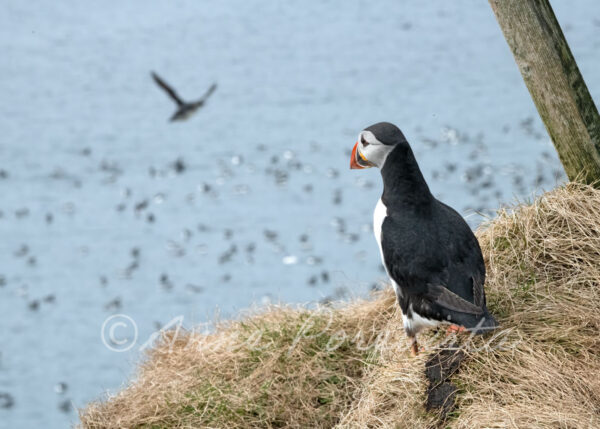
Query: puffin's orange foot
[[455, 329]]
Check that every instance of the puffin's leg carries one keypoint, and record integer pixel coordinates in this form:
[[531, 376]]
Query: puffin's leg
[[414, 346], [411, 333]]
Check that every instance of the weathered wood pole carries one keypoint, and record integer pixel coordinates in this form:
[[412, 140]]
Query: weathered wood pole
[[554, 82]]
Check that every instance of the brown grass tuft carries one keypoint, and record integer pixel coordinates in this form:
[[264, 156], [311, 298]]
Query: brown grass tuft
[[349, 366]]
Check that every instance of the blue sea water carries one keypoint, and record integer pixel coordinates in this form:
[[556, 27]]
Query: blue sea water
[[108, 209]]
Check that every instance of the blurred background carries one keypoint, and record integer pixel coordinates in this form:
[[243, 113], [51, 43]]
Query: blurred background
[[108, 208]]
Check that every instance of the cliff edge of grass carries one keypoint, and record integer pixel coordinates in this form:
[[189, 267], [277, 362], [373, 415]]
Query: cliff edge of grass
[[349, 365]]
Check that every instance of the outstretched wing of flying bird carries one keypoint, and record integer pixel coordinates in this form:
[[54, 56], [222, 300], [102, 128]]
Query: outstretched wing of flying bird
[[167, 89], [207, 94]]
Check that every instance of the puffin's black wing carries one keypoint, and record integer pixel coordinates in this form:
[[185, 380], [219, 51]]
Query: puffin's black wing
[[435, 259], [167, 88], [207, 94], [448, 299], [466, 269]]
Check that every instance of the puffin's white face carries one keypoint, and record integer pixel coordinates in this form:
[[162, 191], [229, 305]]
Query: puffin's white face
[[369, 152]]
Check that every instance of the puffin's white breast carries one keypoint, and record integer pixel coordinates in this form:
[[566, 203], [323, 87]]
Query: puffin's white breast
[[378, 217]]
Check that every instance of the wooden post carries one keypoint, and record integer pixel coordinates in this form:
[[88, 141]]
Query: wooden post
[[554, 82]]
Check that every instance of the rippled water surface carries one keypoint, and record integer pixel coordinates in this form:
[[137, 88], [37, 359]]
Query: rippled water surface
[[107, 208]]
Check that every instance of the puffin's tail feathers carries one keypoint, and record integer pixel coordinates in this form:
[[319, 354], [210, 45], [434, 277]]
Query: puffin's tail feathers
[[486, 323]]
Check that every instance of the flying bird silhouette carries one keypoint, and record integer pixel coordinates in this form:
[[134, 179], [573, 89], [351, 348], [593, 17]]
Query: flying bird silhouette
[[184, 109]]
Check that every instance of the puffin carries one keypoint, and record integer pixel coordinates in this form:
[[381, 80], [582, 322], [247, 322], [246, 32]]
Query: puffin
[[184, 109], [429, 253]]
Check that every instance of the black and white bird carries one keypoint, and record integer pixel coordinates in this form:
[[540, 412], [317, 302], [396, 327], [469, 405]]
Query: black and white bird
[[429, 252], [184, 109]]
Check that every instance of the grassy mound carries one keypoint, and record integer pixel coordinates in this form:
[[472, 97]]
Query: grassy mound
[[350, 367]]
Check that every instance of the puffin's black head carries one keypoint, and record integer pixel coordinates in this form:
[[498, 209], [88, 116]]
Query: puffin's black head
[[374, 145]]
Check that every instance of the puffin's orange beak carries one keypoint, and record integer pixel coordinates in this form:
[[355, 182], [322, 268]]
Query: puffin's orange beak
[[353, 161], [357, 160]]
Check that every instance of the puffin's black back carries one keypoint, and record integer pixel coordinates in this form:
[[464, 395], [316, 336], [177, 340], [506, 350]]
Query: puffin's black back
[[428, 248]]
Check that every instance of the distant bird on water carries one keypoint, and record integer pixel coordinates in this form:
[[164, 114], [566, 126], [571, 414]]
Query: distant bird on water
[[184, 109], [429, 252]]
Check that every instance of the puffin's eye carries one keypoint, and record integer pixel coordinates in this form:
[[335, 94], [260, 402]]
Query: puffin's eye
[[363, 141]]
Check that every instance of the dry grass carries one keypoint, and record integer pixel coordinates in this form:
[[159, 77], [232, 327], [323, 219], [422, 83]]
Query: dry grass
[[349, 366]]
